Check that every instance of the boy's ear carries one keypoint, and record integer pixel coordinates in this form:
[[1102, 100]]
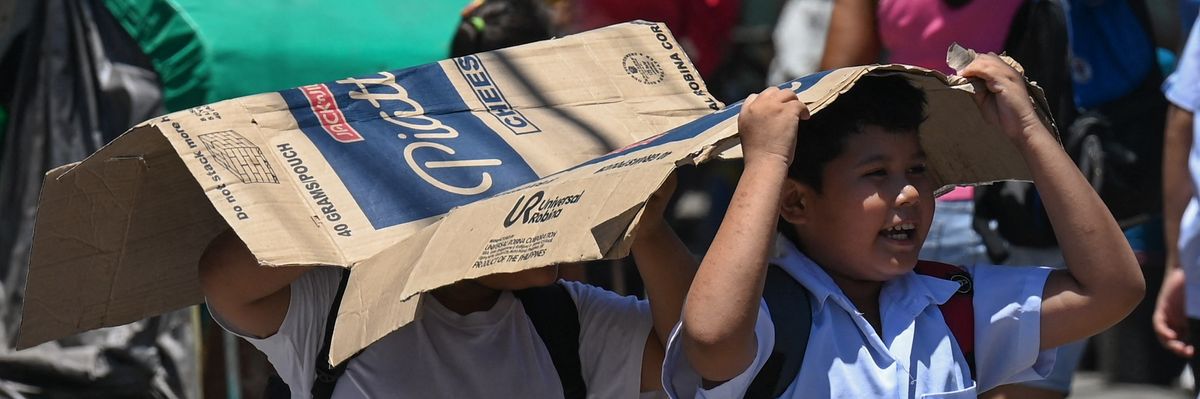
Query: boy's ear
[[792, 207]]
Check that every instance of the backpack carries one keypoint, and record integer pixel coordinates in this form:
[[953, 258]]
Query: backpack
[[1117, 141], [550, 308], [791, 333]]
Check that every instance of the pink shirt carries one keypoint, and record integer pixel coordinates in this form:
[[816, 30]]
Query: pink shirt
[[918, 32]]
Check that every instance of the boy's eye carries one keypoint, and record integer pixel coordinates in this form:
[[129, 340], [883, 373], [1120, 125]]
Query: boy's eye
[[917, 170], [876, 173]]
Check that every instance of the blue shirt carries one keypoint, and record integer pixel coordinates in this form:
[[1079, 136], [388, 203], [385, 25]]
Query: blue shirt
[[1182, 88], [916, 357]]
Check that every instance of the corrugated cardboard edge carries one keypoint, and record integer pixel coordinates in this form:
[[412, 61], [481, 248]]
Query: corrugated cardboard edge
[[83, 250]]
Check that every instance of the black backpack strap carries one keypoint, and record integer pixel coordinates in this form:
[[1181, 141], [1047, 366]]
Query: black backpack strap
[[556, 320], [784, 296], [327, 374]]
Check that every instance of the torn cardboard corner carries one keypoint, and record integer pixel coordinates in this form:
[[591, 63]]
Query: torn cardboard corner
[[590, 211], [335, 173]]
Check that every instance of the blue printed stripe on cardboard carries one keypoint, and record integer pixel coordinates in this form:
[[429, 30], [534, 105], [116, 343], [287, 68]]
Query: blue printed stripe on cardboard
[[405, 144]]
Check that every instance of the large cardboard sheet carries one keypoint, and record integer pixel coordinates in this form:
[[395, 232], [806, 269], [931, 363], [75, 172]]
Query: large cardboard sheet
[[419, 178], [591, 210], [333, 173]]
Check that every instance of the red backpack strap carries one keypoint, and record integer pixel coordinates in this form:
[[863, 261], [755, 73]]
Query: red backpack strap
[[959, 310]]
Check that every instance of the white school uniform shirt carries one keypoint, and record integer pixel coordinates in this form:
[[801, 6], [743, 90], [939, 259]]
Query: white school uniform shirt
[[1182, 88], [490, 354], [917, 357]]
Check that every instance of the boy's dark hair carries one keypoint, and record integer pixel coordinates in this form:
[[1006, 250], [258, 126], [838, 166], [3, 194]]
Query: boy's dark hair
[[887, 101], [496, 24]]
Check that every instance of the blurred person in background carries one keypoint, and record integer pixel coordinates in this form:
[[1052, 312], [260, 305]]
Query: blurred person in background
[[702, 27], [795, 57], [1177, 314], [1118, 144], [918, 32], [496, 24], [1188, 10]]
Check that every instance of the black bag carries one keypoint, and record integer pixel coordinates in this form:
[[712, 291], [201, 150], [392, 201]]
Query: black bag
[[1119, 148], [74, 80], [1118, 144]]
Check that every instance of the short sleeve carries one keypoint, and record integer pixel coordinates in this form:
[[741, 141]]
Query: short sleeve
[[1182, 88], [1008, 305], [612, 333], [293, 349], [682, 381]]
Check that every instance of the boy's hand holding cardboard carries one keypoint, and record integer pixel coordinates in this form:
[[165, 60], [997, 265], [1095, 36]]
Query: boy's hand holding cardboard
[[767, 124], [1006, 101]]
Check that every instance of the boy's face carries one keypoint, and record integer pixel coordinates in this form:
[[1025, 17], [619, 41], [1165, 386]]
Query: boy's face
[[874, 209]]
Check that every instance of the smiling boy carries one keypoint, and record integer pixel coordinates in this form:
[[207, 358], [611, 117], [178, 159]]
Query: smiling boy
[[856, 202]]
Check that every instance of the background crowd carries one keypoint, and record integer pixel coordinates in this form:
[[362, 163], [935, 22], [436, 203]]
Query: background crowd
[[75, 74]]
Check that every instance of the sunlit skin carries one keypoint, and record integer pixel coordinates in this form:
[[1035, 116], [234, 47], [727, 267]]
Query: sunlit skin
[[884, 174]]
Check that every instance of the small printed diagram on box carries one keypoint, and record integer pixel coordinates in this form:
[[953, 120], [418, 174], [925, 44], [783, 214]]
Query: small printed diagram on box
[[240, 156]]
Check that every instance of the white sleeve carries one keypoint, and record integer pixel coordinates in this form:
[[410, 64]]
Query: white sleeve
[[1008, 310], [682, 381], [612, 335], [293, 349]]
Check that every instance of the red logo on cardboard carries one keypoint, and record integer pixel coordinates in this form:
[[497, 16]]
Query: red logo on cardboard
[[320, 99], [644, 141]]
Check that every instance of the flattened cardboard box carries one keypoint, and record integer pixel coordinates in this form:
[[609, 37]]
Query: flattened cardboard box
[[591, 210], [115, 216], [332, 174]]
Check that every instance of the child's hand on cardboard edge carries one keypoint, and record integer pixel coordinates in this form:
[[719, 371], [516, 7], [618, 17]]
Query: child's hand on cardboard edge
[[656, 206], [653, 223], [767, 125], [1006, 101]]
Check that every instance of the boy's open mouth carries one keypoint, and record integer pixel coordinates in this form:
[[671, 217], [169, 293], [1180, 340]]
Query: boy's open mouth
[[900, 232]]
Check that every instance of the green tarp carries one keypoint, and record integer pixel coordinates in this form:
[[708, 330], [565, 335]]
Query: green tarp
[[210, 50]]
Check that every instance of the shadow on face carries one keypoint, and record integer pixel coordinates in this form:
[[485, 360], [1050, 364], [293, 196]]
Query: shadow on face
[[521, 280]]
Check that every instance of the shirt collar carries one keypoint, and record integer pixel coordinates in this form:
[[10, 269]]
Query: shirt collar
[[910, 286]]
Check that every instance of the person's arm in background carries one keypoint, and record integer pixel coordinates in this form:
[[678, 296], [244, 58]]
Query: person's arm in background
[[853, 35], [1170, 321], [666, 267], [254, 299], [1182, 90]]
